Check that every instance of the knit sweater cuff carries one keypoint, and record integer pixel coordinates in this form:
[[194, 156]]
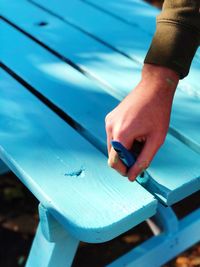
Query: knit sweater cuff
[[173, 46]]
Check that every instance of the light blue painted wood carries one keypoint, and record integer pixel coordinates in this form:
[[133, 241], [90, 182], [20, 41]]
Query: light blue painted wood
[[172, 180], [143, 15], [134, 12], [94, 205], [92, 56], [166, 219], [50, 227], [185, 124], [130, 39], [162, 248], [114, 70], [46, 254], [120, 35]]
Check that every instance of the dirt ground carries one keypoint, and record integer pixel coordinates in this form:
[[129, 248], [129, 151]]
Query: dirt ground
[[18, 221]]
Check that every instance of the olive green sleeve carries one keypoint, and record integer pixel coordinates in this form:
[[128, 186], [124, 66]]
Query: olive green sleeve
[[177, 36]]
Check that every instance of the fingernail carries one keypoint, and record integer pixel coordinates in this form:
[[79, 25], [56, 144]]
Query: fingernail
[[108, 162], [132, 178]]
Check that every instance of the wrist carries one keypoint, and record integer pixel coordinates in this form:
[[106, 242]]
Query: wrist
[[161, 76]]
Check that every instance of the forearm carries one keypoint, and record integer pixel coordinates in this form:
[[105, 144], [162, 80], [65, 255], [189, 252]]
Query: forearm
[[167, 78], [177, 36]]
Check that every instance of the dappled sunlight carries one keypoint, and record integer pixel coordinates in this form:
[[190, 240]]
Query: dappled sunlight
[[60, 72], [119, 35], [12, 121], [66, 65], [190, 90]]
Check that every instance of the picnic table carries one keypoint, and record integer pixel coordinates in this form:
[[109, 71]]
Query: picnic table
[[64, 66]]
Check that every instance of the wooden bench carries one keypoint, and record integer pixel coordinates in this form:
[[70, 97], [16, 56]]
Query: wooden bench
[[65, 66]]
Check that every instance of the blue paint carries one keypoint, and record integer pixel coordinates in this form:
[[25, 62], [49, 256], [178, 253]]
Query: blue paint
[[126, 156], [63, 85], [160, 249], [32, 135], [49, 254], [77, 173], [94, 208], [133, 40], [131, 27]]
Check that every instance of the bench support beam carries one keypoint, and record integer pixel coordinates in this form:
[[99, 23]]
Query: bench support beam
[[161, 248], [52, 246]]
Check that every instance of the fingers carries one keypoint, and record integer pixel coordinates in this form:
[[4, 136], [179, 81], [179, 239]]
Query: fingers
[[108, 128], [145, 157], [109, 138], [115, 162]]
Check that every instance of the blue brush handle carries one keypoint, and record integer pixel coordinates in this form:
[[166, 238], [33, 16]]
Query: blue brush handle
[[126, 156]]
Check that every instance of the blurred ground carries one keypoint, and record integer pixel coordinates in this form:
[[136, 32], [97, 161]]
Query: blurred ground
[[18, 221], [157, 3]]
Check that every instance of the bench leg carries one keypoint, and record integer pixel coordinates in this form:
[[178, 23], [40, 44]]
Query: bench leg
[[3, 168], [47, 254], [176, 236], [52, 246]]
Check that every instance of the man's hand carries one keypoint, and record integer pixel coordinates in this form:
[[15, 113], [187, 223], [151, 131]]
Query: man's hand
[[143, 115]]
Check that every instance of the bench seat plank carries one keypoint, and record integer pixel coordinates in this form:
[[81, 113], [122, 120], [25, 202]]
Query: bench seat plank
[[180, 169], [137, 13], [142, 15], [65, 172], [99, 60], [130, 39], [118, 72]]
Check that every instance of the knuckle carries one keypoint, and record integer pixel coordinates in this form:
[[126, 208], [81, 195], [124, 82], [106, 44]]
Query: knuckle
[[107, 117], [120, 135], [108, 126]]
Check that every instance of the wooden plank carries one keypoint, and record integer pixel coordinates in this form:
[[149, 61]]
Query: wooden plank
[[134, 12], [120, 35], [63, 85], [185, 124], [64, 171], [92, 56], [129, 39], [119, 73], [166, 245], [49, 254], [143, 15]]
